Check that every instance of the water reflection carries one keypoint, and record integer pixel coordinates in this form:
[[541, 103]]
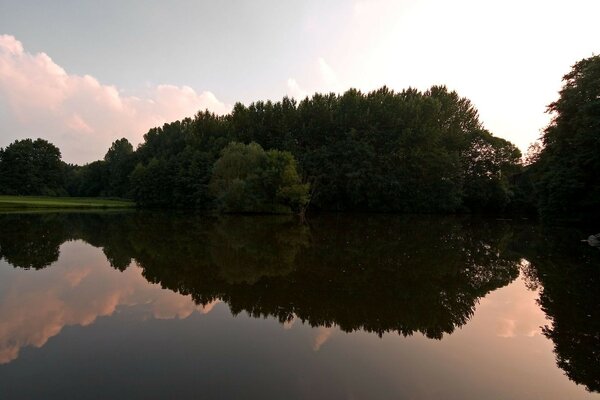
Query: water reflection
[[377, 274], [77, 291], [567, 273], [31, 241]]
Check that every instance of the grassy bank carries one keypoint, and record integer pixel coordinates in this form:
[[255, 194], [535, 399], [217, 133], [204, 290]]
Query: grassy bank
[[37, 202]]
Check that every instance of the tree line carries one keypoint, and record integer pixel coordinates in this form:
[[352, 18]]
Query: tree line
[[381, 151]]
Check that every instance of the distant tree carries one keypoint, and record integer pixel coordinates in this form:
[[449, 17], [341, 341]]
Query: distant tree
[[489, 163], [246, 178], [120, 162], [151, 184], [31, 167], [90, 180], [568, 165]]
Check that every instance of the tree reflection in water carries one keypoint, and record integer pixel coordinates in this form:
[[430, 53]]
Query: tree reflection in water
[[567, 272], [379, 274]]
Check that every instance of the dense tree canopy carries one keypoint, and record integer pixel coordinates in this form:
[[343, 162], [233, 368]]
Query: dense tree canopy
[[382, 151], [108, 177], [248, 179], [31, 167], [566, 168]]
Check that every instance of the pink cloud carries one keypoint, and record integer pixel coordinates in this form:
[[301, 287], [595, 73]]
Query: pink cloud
[[78, 113]]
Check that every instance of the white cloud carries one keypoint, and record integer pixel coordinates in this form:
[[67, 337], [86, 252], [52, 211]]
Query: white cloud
[[328, 75], [78, 113], [294, 89], [323, 79]]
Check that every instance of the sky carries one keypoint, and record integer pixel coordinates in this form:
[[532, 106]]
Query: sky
[[82, 74]]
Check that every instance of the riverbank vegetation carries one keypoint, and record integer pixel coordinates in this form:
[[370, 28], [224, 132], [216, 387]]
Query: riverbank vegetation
[[382, 151], [565, 164], [43, 202]]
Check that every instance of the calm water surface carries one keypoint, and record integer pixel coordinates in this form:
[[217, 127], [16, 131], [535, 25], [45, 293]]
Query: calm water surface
[[151, 305]]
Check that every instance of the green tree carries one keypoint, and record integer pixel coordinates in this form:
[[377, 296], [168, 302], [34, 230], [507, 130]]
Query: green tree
[[151, 184], [31, 167], [567, 166], [120, 162], [90, 180], [246, 178], [489, 163], [382, 151]]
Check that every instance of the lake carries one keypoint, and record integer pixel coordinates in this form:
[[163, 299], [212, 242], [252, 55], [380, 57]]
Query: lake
[[150, 305]]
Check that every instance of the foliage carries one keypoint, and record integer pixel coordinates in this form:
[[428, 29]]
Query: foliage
[[381, 151], [31, 167], [384, 151], [567, 166], [104, 178], [490, 162], [246, 178], [185, 152], [119, 164]]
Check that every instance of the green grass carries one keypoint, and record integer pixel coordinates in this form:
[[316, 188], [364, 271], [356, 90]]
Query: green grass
[[38, 202]]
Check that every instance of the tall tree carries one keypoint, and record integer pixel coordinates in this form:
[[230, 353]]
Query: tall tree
[[568, 165], [119, 164], [31, 167]]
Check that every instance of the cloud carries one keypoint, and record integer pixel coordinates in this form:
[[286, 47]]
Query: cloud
[[323, 335], [295, 90], [512, 312], [287, 325], [78, 113], [323, 79], [328, 75]]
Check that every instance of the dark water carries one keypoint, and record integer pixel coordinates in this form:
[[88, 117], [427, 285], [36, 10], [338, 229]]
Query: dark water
[[142, 305]]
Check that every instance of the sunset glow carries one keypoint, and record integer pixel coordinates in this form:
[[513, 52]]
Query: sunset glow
[[506, 57]]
